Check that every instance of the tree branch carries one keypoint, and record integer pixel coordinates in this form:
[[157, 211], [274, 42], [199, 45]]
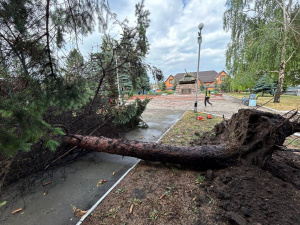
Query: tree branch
[[290, 56], [48, 37]]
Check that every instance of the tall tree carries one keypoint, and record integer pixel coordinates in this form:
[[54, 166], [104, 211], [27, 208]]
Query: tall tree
[[264, 36], [143, 22], [124, 62], [32, 76]]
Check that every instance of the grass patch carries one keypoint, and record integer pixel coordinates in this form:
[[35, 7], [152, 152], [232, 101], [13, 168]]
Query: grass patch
[[287, 102], [292, 142], [183, 132]]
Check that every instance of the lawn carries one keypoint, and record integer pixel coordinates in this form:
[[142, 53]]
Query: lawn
[[183, 132], [287, 102]]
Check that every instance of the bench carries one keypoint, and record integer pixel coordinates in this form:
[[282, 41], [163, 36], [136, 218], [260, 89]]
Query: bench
[[251, 100]]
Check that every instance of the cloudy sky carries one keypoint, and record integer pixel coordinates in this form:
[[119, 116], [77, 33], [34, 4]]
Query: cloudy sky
[[173, 33]]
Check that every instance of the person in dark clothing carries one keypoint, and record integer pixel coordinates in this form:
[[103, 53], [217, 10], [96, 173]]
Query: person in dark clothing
[[207, 97]]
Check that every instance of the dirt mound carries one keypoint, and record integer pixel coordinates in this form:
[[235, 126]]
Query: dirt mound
[[250, 195], [251, 134]]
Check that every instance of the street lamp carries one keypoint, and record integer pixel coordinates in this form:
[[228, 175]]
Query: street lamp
[[200, 26]]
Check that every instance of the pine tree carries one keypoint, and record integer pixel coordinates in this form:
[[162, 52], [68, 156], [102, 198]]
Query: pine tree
[[32, 74]]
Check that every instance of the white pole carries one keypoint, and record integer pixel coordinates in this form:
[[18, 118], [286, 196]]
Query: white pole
[[199, 42]]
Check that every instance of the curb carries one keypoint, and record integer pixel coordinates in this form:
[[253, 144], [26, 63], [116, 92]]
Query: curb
[[103, 196]]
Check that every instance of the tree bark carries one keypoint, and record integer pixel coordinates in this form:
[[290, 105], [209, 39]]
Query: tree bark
[[249, 138], [202, 156], [286, 11]]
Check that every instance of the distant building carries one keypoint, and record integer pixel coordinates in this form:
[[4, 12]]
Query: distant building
[[208, 78], [170, 83]]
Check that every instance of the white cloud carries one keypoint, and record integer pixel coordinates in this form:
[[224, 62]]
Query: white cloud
[[174, 30], [173, 35]]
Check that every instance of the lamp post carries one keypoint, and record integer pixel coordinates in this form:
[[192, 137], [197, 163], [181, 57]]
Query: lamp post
[[200, 26]]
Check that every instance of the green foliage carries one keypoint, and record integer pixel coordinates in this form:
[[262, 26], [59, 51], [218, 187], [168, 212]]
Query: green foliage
[[202, 87], [264, 37], [130, 115], [124, 114], [34, 79], [3, 203], [169, 92], [153, 215], [143, 81], [264, 86], [200, 179], [163, 87], [160, 85], [52, 144], [21, 114], [143, 22], [174, 84], [225, 85]]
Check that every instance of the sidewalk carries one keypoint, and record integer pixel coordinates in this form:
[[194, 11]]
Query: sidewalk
[[226, 105]]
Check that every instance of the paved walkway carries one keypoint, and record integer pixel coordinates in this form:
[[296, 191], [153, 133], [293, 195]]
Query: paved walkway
[[225, 105]]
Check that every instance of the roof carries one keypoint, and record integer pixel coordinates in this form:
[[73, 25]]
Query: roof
[[169, 77], [204, 76]]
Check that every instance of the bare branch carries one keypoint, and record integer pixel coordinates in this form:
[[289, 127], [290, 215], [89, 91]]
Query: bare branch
[[290, 56]]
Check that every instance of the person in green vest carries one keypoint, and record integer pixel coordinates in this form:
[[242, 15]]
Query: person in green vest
[[207, 97]]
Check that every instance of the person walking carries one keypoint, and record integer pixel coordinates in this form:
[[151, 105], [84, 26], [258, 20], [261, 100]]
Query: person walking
[[207, 97]]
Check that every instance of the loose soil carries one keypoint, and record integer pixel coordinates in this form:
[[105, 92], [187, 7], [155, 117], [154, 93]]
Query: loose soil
[[167, 194], [156, 193]]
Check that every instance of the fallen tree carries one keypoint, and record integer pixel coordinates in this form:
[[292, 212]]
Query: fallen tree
[[249, 138]]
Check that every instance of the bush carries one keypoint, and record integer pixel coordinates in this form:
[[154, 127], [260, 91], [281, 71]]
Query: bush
[[168, 92]]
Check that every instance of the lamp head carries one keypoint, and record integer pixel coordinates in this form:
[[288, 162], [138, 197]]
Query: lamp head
[[200, 26]]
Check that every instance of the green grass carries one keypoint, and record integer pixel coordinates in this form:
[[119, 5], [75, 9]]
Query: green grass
[[183, 132], [287, 102], [292, 142]]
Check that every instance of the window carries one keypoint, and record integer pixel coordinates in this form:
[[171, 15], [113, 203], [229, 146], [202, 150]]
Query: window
[[171, 81], [222, 78]]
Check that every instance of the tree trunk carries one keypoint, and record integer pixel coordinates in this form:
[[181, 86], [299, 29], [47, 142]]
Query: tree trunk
[[286, 11], [201, 155], [248, 138], [280, 78]]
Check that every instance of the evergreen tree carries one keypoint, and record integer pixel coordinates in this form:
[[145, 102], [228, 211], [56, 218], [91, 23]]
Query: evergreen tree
[[33, 77], [143, 22], [32, 74], [202, 87], [264, 85], [164, 87], [75, 65]]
